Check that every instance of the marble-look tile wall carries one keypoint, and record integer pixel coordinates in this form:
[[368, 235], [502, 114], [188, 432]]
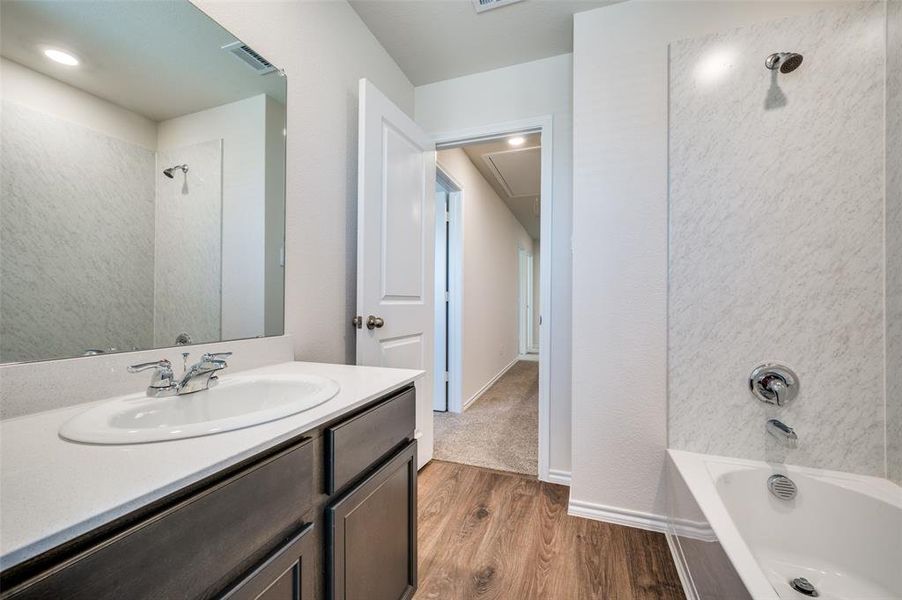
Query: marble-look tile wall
[[76, 268], [188, 248], [776, 237], [894, 241]]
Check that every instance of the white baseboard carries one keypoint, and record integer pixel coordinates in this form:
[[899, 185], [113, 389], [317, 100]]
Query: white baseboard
[[652, 522], [486, 387], [642, 520], [679, 561], [559, 477], [618, 516], [632, 518], [696, 530]]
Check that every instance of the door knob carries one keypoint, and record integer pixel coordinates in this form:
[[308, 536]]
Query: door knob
[[374, 322]]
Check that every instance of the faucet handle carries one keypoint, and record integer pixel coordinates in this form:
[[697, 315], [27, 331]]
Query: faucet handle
[[162, 375], [215, 356], [154, 364]]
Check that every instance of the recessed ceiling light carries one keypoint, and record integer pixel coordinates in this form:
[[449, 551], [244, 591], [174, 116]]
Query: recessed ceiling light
[[64, 58], [518, 140]]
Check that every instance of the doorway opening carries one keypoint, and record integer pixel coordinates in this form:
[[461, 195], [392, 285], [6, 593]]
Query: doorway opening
[[489, 301]]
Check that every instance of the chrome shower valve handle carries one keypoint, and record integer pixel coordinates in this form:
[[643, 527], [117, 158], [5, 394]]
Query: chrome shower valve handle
[[774, 384]]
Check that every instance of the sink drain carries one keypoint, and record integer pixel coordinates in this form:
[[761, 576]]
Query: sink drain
[[803, 586]]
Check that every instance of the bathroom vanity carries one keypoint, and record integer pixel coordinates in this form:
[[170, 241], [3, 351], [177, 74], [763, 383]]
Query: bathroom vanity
[[321, 504]]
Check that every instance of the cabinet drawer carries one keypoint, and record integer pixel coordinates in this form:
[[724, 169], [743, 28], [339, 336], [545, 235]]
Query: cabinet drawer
[[195, 547], [354, 445]]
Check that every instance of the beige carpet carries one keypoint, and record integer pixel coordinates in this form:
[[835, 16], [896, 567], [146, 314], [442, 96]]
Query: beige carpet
[[498, 431]]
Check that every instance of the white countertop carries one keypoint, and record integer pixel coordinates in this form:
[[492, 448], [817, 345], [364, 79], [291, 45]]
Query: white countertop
[[52, 490]]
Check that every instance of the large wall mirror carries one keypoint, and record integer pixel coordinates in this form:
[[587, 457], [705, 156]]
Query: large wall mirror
[[142, 180]]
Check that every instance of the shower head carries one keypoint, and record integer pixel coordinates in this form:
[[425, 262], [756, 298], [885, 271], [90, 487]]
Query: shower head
[[171, 170], [786, 62]]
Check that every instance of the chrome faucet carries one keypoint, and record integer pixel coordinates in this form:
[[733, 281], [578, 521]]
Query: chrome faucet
[[198, 377], [783, 432], [202, 375]]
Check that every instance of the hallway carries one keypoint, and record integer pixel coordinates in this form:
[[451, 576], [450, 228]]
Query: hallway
[[500, 430]]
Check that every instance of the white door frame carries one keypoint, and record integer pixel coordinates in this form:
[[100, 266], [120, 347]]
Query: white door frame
[[455, 298], [453, 139], [530, 304], [524, 315]]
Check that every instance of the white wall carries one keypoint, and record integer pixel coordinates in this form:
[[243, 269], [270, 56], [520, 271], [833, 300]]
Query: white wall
[[531, 89], [492, 237], [620, 83], [39, 92], [241, 126], [324, 48]]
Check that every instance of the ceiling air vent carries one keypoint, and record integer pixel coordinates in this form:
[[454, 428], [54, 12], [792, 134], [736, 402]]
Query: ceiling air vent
[[484, 5], [248, 56]]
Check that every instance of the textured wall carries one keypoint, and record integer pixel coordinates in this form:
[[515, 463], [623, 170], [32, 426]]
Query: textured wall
[[894, 242], [76, 270], [776, 230], [188, 245]]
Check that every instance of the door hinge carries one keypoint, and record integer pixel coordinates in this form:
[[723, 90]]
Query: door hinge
[[446, 377], [447, 296], [447, 216]]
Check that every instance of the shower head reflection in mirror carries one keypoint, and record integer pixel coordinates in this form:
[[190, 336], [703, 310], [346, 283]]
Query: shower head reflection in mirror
[[171, 170]]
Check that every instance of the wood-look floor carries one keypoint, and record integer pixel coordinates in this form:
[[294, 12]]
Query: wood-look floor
[[489, 534]]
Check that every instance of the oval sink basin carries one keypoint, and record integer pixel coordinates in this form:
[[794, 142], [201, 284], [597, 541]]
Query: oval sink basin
[[235, 403]]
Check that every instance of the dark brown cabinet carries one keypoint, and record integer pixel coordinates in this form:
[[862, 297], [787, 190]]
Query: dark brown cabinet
[[287, 574], [371, 533]]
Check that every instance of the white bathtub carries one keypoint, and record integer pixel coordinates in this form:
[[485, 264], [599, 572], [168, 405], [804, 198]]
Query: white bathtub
[[842, 532]]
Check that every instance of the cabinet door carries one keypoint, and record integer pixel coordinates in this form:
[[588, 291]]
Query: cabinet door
[[372, 534], [286, 574]]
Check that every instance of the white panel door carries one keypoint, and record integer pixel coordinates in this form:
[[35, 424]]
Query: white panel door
[[396, 247]]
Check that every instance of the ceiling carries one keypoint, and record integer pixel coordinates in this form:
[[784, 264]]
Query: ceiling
[[433, 40], [515, 175], [158, 58]]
